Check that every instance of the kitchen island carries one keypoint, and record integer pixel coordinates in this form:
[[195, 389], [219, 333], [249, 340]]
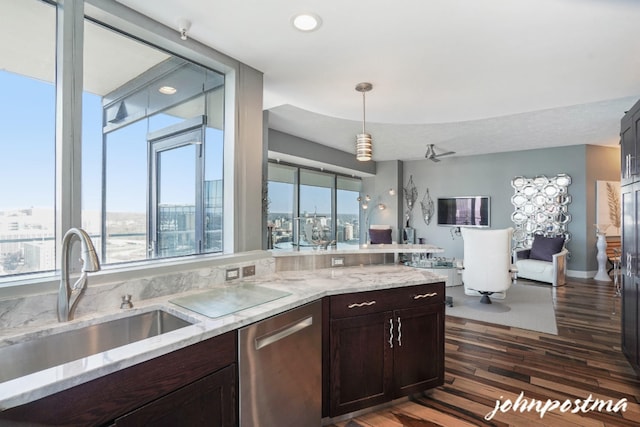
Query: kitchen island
[[301, 288]]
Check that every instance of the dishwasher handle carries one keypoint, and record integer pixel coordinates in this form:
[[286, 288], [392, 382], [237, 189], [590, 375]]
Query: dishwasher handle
[[284, 332]]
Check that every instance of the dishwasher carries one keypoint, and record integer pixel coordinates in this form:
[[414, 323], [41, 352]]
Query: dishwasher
[[280, 365]]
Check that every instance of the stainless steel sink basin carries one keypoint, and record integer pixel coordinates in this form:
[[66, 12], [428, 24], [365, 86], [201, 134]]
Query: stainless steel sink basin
[[42, 352]]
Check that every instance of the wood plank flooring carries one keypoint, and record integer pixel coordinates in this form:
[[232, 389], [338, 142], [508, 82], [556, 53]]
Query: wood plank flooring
[[486, 362]]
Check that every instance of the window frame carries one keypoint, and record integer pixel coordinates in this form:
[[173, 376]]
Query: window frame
[[297, 182], [70, 20]]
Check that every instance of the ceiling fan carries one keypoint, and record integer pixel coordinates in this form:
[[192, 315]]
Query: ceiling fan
[[433, 156]]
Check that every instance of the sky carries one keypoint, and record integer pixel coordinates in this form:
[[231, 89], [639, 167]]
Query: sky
[[27, 131], [27, 147]]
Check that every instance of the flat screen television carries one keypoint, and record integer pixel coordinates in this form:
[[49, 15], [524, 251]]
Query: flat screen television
[[467, 211]]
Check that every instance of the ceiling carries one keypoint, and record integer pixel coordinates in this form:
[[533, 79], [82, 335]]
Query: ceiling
[[472, 76]]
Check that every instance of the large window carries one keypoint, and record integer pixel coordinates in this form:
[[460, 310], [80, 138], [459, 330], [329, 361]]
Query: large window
[[160, 133], [316, 192], [282, 190], [27, 137], [348, 211], [152, 144], [308, 208]]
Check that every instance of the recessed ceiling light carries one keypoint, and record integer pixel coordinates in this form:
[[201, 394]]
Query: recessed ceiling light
[[306, 22], [167, 90]]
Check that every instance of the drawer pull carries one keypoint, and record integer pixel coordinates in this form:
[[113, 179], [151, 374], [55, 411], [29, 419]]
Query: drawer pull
[[432, 294], [362, 304]]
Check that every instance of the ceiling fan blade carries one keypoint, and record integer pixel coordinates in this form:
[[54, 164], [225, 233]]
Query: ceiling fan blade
[[434, 159], [448, 153]]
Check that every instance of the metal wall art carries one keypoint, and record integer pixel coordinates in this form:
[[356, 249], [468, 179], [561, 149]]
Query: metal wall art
[[541, 206], [427, 207], [410, 197]]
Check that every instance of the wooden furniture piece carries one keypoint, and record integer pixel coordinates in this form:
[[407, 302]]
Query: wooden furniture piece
[[630, 245], [381, 345], [613, 252], [184, 387]]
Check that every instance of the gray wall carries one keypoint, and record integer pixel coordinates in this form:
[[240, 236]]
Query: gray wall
[[389, 175], [290, 145], [248, 161], [491, 175]]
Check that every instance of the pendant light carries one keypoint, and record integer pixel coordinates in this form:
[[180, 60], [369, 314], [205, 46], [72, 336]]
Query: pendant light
[[364, 148]]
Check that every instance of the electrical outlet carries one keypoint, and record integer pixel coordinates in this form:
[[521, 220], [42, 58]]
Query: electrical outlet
[[249, 270], [337, 262], [232, 273]]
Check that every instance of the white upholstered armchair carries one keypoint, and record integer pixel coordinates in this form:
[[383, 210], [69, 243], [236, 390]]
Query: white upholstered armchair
[[487, 263], [545, 261]]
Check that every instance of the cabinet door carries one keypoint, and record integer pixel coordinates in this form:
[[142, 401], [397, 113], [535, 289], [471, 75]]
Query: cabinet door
[[627, 150], [209, 401], [630, 272], [419, 351], [630, 320], [361, 362]]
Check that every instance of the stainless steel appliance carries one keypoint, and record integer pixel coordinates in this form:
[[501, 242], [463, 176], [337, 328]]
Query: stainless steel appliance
[[280, 363]]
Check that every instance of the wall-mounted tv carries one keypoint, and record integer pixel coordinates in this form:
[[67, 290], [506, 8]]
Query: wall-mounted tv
[[467, 211]]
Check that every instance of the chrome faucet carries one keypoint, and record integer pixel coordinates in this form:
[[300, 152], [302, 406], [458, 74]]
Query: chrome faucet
[[90, 264]]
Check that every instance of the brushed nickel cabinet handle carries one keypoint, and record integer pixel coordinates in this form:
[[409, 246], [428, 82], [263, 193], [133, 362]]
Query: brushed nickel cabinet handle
[[399, 332], [361, 304], [432, 294], [390, 333]]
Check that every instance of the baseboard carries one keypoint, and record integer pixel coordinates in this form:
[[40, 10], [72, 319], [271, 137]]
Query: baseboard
[[581, 274]]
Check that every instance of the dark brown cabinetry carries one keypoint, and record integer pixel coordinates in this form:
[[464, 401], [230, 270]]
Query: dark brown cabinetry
[[208, 401], [381, 345], [193, 386], [630, 210], [630, 241]]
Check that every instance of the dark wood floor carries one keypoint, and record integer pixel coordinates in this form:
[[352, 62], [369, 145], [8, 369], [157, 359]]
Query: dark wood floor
[[486, 362]]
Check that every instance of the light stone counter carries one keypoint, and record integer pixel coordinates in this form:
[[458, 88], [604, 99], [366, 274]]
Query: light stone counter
[[393, 248], [303, 286]]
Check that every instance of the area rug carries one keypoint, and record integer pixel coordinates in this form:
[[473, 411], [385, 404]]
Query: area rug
[[527, 306]]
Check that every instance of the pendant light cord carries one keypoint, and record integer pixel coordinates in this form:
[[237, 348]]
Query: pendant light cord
[[363, 111]]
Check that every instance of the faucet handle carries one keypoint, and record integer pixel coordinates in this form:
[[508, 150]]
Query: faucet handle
[[126, 302]]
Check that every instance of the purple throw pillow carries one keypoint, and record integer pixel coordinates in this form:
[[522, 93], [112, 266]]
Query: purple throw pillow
[[379, 236], [543, 248]]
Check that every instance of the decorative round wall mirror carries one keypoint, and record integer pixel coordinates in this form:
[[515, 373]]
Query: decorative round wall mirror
[[540, 207], [518, 182], [540, 181]]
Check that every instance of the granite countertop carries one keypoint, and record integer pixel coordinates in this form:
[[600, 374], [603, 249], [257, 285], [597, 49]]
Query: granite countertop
[[363, 249], [302, 287]]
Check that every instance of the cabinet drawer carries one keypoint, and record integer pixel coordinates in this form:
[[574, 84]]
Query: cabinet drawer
[[359, 303]]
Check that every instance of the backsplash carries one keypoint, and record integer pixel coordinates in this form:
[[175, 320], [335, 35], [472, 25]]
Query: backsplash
[[317, 260], [41, 309]]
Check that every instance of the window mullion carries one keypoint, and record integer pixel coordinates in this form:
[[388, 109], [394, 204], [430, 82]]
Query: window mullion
[[69, 68]]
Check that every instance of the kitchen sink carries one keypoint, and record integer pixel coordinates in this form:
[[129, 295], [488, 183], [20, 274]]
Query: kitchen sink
[[42, 352]]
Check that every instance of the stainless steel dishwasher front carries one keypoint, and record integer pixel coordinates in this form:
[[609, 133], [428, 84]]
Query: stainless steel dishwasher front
[[280, 364]]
